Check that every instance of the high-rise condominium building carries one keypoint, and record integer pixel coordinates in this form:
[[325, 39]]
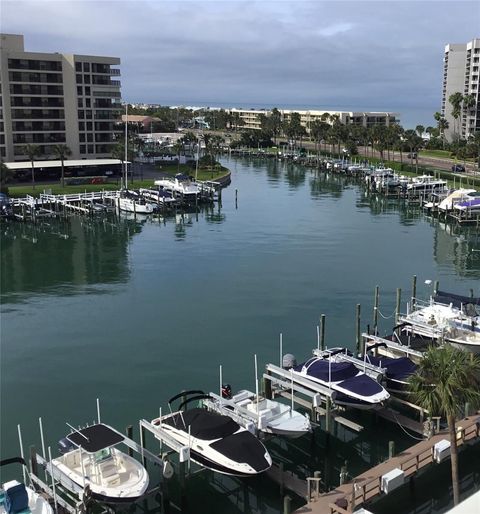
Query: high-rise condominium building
[[461, 66], [52, 98]]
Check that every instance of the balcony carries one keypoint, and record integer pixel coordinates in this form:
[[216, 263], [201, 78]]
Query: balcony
[[114, 71]]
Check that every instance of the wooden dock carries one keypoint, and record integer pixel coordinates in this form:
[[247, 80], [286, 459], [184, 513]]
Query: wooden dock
[[367, 486]]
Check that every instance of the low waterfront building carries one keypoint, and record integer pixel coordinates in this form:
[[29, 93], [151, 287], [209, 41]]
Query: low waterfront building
[[251, 118], [53, 98]]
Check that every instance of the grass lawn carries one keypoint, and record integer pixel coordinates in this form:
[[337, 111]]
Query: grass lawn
[[442, 154], [57, 189], [203, 173]]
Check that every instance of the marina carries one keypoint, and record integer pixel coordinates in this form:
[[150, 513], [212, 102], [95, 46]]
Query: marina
[[309, 218]]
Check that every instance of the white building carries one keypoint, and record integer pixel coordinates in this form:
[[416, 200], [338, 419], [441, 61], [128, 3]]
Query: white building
[[53, 98], [461, 65]]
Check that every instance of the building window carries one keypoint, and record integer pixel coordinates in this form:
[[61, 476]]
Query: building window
[[87, 91], [79, 90], [82, 149], [90, 137], [87, 79], [89, 125], [86, 67], [79, 79], [81, 125], [82, 138], [80, 102], [88, 102], [90, 149], [78, 66]]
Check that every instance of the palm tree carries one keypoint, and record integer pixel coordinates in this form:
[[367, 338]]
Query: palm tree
[[32, 151], [62, 151], [456, 102], [6, 175], [420, 129], [447, 378]]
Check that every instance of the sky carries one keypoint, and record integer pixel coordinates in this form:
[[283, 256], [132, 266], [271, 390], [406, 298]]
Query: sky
[[346, 55]]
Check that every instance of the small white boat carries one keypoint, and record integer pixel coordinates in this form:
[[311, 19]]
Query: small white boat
[[130, 201], [182, 186], [268, 416], [159, 196], [16, 497], [426, 184], [444, 323], [457, 196], [90, 458], [215, 441]]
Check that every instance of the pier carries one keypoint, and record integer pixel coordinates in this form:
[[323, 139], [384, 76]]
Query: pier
[[374, 482]]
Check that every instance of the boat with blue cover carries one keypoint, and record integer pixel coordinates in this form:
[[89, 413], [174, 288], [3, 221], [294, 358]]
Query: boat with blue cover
[[354, 388], [16, 497]]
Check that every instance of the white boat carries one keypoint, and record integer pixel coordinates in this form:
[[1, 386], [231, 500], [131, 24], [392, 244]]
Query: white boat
[[444, 323], [215, 441], [132, 202], [159, 196], [470, 204], [90, 458], [262, 415], [353, 387], [181, 185], [457, 196], [426, 184], [16, 497]]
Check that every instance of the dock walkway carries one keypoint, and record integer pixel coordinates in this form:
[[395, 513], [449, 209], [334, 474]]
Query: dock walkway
[[367, 486]]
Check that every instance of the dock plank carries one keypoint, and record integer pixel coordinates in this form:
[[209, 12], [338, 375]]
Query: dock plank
[[366, 486]]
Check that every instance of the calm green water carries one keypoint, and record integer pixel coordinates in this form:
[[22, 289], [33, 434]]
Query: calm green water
[[132, 311]]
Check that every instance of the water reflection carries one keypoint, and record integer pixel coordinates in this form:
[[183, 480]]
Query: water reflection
[[66, 254]]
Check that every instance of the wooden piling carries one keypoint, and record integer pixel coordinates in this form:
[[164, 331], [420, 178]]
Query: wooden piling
[[322, 332], [375, 310], [391, 449], [397, 305], [267, 388], [414, 291], [33, 461], [358, 331], [181, 479], [287, 505], [129, 433], [144, 445], [435, 287]]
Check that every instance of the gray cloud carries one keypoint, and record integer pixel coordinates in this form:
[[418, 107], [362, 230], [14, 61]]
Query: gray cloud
[[343, 54]]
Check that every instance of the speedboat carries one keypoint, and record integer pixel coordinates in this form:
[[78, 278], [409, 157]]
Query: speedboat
[[354, 388], [160, 196], [472, 204], [16, 497], [260, 415], [457, 196], [130, 201], [90, 458], [397, 370], [215, 441], [426, 184], [392, 372], [444, 323], [181, 185], [468, 305]]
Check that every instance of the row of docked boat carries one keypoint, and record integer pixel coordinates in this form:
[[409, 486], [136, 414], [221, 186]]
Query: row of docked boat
[[166, 193], [456, 201]]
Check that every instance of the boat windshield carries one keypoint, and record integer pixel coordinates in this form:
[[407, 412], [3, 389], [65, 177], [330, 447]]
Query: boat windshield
[[102, 455]]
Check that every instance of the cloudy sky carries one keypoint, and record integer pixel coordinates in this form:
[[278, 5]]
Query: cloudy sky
[[349, 55]]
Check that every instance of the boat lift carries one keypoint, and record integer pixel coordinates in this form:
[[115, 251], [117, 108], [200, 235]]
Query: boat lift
[[60, 481]]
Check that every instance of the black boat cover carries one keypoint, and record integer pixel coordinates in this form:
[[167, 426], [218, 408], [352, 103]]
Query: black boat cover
[[455, 299], [203, 424], [95, 438], [243, 447]]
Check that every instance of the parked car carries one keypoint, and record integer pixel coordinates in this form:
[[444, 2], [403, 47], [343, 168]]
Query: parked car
[[458, 168], [412, 155]]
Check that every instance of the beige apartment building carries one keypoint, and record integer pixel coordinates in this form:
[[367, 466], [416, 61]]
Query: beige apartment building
[[54, 98], [251, 117], [461, 65]]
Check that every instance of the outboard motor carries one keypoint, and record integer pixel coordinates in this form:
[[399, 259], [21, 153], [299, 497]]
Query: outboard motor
[[65, 446], [289, 361], [226, 391]]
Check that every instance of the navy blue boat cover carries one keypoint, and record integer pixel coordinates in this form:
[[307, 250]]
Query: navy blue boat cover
[[455, 299], [16, 499], [203, 424], [322, 369], [362, 385], [243, 447], [396, 368]]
